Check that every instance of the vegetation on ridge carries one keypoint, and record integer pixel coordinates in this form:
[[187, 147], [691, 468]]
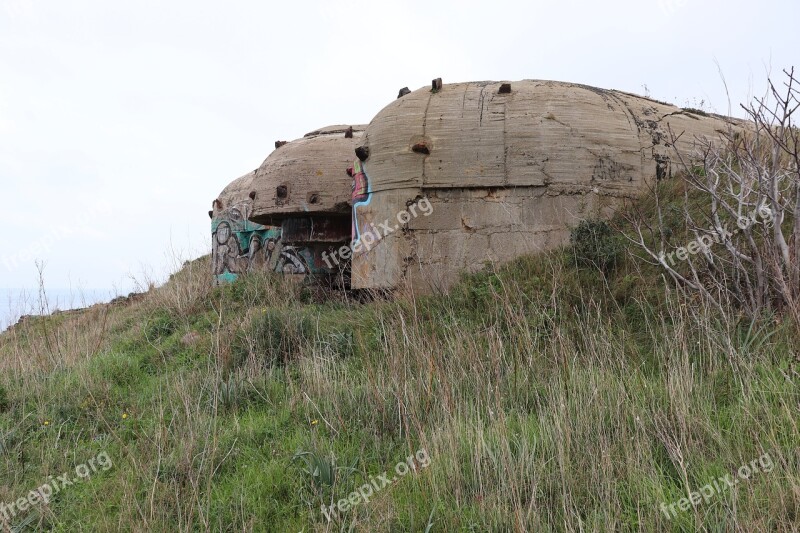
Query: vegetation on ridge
[[580, 390], [547, 394]]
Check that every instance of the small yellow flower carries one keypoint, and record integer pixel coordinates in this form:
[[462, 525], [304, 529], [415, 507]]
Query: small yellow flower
[[46, 422], [124, 416], [314, 422]]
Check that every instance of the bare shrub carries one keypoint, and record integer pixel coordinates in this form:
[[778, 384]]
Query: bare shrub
[[737, 241]]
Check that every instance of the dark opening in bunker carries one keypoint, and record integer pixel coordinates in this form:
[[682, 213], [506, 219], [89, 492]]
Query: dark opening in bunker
[[281, 193]]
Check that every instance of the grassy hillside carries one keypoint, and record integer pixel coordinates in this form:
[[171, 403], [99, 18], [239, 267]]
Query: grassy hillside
[[544, 395]]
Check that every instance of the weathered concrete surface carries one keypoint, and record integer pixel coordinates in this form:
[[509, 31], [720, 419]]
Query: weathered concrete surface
[[255, 226], [238, 245], [306, 176], [507, 173]]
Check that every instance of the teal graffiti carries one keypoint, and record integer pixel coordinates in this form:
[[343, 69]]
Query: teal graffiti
[[240, 246]]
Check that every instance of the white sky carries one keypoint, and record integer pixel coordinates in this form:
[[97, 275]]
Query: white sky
[[120, 122]]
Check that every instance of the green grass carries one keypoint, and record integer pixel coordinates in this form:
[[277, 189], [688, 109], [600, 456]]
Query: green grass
[[549, 395]]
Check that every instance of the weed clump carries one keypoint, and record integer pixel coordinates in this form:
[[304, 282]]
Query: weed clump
[[594, 244], [5, 402]]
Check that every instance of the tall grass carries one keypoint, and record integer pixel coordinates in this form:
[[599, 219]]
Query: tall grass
[[548, 397]]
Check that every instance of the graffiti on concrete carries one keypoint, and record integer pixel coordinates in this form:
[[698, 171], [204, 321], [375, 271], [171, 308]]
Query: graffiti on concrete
[[240, 246], [361, 196]]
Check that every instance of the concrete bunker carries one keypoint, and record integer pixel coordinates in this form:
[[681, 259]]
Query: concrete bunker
[[448, 178], [285, 214], [507, 168]]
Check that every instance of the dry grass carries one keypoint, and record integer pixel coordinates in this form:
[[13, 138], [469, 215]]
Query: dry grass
[[548, 398]]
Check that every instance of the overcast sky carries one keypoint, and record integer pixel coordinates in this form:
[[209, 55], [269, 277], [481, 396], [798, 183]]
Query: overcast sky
[[120, 122]]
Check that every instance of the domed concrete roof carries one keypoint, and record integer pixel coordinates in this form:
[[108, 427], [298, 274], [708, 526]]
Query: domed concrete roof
[[505, 169], [528, 133], [306, 176]]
